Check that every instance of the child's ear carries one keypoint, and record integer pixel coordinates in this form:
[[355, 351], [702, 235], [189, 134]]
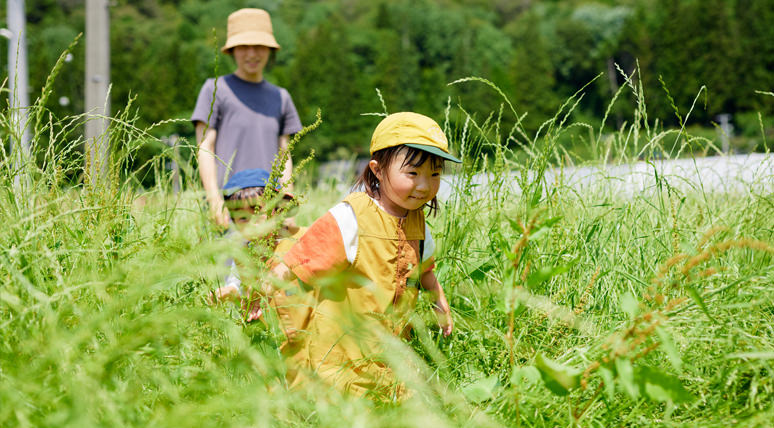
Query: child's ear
[[374, 165]]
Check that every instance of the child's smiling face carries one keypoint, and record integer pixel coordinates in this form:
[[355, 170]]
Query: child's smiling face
[[404, 186]]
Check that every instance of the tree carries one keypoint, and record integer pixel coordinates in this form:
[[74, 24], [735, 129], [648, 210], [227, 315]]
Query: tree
[[323, 75], [698, 46], [532, 74], [756, 61]]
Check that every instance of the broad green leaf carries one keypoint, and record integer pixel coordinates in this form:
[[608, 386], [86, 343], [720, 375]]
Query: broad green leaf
[[515, 225], [536, 234], [511, 255], [535, 200], [609, 379], [661, 387], [538, 231], [669, 347], [525, 375], [481, 390], [626, 377], [543, 228], [478, 273], [551, 221], [630, 305], [545, 273], [560, 379]]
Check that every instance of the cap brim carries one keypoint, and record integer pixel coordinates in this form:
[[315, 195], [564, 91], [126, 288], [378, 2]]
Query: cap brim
[[435, 151]]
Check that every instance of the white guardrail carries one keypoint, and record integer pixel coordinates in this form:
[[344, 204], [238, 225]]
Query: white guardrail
[[734, 174]]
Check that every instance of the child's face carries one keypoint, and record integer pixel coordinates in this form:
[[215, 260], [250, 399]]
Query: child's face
[[252, 222], [247, 219], [406, 187]]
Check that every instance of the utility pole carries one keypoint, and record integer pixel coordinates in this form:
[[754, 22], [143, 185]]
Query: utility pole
[[725, 131], [18, 80], [97, 84]]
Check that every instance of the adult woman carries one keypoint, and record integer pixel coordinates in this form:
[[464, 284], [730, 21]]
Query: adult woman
[[241, 120]]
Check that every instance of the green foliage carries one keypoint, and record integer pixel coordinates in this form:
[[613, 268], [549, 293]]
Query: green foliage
[[335, 53], [481, 390], [559, 378], [326, 55], [531, 74]]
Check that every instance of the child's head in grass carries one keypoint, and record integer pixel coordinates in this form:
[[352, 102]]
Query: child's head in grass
[[243, 195], [407, 154], [250, 212]]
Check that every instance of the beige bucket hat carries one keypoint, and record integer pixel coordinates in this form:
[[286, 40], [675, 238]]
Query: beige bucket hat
[[249, 27]]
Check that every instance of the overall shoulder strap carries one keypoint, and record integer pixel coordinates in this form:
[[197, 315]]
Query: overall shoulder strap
[[357, 200]]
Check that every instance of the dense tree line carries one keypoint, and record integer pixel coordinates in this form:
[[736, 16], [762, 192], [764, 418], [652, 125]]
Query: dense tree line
[[336, 53]]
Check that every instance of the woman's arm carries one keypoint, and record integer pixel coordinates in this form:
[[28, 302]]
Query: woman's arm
[[430, 283], [209, 172], [287, 173]]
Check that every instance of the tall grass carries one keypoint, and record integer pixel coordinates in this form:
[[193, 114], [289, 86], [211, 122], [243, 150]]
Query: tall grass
[[591, 280], [104, 319]]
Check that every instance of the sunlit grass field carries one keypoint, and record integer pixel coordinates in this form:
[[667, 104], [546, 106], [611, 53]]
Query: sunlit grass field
[[592, 309]]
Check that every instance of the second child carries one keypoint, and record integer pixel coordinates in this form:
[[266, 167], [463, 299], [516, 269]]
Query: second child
[[243, 194]]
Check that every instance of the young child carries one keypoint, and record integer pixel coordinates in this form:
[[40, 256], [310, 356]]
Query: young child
[[242, 194], [359, 265]]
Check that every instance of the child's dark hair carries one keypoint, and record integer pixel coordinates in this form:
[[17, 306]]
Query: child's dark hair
[[245, 194], [414, 157], [251, 196]]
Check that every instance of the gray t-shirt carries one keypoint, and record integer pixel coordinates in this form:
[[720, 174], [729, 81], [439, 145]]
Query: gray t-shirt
[[249, 118]]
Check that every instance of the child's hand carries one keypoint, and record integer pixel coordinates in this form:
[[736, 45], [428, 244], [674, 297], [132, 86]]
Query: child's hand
[[252, 307], [430, 283], [289, 227], [445, 320], [228, 292]]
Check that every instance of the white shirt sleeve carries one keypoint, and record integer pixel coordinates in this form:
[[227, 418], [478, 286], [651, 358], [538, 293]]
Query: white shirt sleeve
[[429, 244], [345, 218]]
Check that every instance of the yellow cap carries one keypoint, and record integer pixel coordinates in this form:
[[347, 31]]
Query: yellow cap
[[413, 130]]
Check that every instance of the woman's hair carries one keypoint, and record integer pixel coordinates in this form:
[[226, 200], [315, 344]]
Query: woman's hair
[[385, 157]]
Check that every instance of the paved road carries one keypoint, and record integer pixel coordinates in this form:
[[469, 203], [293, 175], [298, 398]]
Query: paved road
[[724, 174]]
